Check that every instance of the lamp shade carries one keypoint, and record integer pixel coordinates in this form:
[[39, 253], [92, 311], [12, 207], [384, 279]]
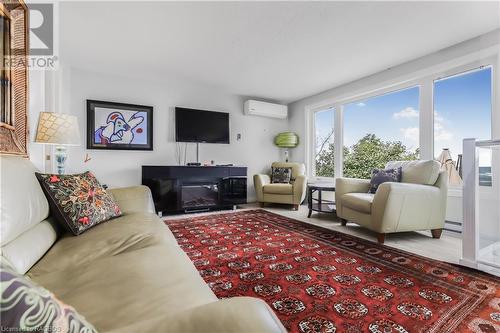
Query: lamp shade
[[286, 140], [58, 129]]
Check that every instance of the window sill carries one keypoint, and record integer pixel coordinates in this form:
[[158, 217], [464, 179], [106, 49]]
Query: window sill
[[484, 191]]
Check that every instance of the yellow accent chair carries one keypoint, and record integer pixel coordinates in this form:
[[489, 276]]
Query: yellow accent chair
[[293, 193]]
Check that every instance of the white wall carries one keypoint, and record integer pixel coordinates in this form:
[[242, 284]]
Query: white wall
[[36, 105], [123, 168]]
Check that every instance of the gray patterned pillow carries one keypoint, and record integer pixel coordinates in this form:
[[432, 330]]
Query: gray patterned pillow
[[27, 307], [380, 176], [281, 175]]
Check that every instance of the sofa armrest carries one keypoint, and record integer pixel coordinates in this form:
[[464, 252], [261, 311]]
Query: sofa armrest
[[299, 189], [238, 315], [351, 185], [258, 182], [133, 199], [406, 207], [348, 185]]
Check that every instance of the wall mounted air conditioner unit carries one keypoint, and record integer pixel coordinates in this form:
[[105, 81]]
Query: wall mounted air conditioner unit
[[265, 109]]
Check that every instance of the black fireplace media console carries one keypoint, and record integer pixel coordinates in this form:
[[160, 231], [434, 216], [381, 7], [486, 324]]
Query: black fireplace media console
[[178, 189]]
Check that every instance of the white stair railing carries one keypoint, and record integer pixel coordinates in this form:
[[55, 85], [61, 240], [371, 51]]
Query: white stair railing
[[470, 209], [471, 256]]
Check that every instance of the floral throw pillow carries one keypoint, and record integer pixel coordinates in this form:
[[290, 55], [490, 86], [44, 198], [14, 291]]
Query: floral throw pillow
[[380, 176], [78, 201], [27, 307], [280, 175]]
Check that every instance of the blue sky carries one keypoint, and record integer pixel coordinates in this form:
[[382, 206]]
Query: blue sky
[[391, 117], [462, 107]]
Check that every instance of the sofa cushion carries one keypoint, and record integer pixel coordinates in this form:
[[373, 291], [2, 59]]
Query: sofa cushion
[[423, 172], [78, 201], [361, 202], [27, 307], [24, 251], [123, 234], [117, 291], [133, 199], [278, 188], [22, 204]]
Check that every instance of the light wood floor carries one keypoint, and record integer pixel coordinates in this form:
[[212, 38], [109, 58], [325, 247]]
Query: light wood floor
[[448, 248]]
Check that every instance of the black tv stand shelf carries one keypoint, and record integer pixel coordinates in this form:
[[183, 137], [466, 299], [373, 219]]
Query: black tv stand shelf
[[185, 189]]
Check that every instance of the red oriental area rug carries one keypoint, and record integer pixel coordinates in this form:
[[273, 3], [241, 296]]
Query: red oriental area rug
[[319, 280]]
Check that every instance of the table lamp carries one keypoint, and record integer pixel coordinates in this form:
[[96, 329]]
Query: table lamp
[[61, 130], [286, 140]]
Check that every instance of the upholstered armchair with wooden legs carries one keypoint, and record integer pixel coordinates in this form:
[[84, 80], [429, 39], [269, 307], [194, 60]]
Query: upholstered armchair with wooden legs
[[417, 203], [293, 193]]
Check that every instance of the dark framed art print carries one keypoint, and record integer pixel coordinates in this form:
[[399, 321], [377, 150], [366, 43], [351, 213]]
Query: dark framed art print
[[119, 126]]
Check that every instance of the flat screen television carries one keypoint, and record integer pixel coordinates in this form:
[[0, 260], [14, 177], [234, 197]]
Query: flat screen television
[[192, 125]]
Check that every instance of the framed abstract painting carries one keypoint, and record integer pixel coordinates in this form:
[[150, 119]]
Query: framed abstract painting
[[119, 126]]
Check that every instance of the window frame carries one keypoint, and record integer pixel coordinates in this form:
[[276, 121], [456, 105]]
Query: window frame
[[456, 191], [424, 79], [312, 141], [339, 126], [391, 90]]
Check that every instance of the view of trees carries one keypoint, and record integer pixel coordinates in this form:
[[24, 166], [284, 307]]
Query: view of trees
[[361, 158]]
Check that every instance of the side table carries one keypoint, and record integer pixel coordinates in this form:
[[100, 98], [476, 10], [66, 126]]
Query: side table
[[319, 204]]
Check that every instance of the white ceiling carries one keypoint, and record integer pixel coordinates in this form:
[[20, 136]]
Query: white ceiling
[[281, 51]]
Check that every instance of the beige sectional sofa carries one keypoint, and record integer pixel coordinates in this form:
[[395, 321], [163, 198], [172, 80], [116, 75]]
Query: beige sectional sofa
[[124, 275]]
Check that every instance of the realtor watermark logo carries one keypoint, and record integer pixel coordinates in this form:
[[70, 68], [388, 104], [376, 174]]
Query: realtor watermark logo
[[41, 29], [41, 54]]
